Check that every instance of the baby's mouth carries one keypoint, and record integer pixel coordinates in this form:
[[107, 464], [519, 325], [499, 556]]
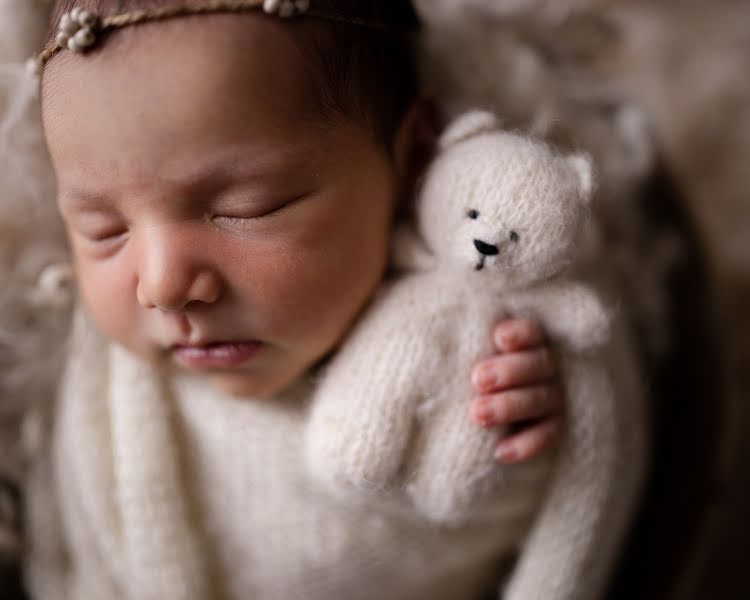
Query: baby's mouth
[[216, 355]]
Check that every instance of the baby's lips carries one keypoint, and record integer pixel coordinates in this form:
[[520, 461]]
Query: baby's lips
[[217, 355]]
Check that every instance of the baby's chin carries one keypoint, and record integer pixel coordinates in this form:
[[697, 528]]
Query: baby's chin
[[258, 386]]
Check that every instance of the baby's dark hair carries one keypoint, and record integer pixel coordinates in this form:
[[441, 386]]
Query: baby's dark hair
[[364, 70]]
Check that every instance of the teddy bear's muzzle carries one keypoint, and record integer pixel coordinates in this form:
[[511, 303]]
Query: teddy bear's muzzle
[[486, 249]]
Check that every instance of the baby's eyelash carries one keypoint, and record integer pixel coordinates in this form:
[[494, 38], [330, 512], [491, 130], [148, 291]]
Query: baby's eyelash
[[103, 246], [104, 236], [234, 220], [244, 221]]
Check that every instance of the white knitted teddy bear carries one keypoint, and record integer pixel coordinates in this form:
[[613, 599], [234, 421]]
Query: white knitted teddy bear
[[497, 221]]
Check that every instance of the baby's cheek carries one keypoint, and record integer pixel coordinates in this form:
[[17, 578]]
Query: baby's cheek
[[109, 297], [326, 276], [314, 296]]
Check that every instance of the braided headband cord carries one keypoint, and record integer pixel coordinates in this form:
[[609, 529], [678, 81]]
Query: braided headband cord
[[135, 17]]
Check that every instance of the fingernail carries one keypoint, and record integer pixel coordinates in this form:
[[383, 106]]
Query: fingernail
[[508, 337], [482, 414], [506, 453], [483, 379]]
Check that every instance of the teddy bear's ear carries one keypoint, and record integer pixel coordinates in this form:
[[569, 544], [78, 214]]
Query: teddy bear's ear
[[584, 171], [468, 125]]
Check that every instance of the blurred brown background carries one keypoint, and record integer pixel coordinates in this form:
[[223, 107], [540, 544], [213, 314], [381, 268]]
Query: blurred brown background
[[688, 62]]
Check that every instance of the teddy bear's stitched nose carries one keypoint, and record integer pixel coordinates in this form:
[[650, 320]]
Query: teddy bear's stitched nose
[[486, 249]]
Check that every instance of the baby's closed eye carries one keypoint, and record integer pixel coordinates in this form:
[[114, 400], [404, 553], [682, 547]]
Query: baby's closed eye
[[103, 233], [241, 210], [96, 226], [239, 213]]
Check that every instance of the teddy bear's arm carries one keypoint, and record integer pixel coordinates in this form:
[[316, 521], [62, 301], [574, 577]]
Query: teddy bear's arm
[[574, 541], [363, 411], [571, 313]]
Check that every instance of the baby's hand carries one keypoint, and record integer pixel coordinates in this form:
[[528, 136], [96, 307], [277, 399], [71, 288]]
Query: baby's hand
[[519, 388]]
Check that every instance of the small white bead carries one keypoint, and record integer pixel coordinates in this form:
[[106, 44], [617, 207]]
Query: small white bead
[[70, 28], [302, 5], [62, 39], [85, 38], [75, 13], [87, 19], [65, 21], [271, 6], [73, 45]]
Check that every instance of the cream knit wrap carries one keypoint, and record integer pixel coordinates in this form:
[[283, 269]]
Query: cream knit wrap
[[154, 489]]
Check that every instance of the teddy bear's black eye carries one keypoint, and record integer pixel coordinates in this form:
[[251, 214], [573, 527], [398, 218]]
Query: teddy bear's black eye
[[472, 214], [513, 237]]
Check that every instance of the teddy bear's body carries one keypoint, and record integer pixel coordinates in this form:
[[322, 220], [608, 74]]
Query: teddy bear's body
[[399, 374], [497, 222], [402, 395]]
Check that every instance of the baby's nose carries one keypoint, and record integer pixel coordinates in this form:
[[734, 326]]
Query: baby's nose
[[486, 249], [171, 275], [173, 292]]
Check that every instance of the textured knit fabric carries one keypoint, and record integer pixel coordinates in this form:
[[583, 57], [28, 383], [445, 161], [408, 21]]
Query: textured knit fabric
[[125, 528], [168, 489], [499, 216]]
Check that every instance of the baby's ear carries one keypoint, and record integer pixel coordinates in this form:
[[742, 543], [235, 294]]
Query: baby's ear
[[584, 171], [468, 125]]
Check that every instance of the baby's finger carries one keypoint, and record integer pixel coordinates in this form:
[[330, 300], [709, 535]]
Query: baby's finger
[[506, 371], [530, 442], [513, 335], [514, 406]]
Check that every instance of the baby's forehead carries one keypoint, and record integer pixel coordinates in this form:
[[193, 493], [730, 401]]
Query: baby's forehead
[[151, 100], [236, 58]]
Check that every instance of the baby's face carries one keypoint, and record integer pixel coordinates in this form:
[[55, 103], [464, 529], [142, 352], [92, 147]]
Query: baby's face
[[218, 223]]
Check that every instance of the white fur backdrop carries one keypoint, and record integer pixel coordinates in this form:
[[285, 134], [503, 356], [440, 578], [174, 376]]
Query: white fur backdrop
[[30, 235]]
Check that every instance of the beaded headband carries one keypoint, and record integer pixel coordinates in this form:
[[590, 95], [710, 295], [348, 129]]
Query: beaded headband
[[80, 29]]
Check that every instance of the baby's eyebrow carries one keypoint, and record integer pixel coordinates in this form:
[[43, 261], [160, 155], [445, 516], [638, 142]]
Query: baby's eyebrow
[[246, 164], [80, 199], [212, 175]]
